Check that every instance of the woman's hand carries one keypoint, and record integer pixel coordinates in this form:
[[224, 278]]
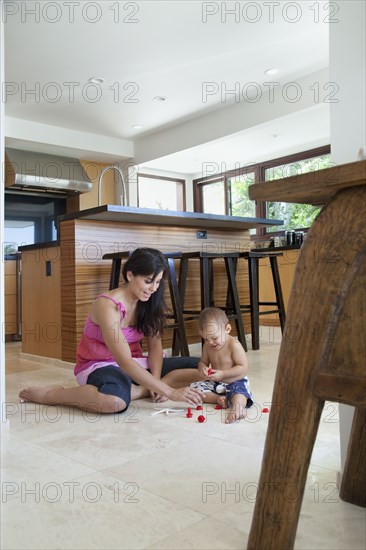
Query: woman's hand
[[157, 397], [189, 395]]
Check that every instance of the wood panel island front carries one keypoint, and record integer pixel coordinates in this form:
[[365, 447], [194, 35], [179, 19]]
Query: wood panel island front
[[55, 306]]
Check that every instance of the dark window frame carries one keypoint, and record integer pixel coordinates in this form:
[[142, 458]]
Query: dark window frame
[[166, 178], [259, 177]]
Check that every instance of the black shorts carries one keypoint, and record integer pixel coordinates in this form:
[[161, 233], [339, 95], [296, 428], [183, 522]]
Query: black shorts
[[111, 380]]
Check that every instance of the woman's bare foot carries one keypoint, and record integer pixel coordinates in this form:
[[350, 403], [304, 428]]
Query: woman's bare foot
[[37, 395], [138, 392]]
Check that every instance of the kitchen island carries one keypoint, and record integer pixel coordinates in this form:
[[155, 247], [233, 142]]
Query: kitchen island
[[77, 263]]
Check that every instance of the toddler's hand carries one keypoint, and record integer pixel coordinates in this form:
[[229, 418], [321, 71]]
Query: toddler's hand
[[216, 375]]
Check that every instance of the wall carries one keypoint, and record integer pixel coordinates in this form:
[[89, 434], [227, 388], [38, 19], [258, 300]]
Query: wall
[[66, 141], [2, 146], [347, 115], [347, 69]]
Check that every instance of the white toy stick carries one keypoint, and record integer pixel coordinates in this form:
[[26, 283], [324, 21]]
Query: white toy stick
[[166, 411]]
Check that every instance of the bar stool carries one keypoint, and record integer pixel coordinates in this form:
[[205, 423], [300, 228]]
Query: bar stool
[[232, 306], [253, 258], [180, 344]]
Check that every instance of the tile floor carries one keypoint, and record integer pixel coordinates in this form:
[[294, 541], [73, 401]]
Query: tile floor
[[72, 480]]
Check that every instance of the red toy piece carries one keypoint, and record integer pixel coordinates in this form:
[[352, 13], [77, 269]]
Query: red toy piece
[[189, 413], [199, 408], [201, 418], [265, 410], [218, 408], [210, 371]]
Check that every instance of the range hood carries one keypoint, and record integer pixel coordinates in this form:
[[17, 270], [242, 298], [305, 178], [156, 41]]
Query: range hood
[[27, 171]]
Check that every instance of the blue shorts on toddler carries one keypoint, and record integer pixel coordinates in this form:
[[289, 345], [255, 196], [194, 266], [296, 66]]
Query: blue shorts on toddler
[[241, 387]]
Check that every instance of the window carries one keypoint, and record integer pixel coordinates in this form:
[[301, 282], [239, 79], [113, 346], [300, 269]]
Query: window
[[295, 216], [213, 197], [160, 192], [228, 193], [240, 203]]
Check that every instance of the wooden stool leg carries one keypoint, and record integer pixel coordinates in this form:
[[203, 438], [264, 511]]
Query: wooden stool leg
[[205, 283], [182, 281], [254, 299], [353, 487], [179, 336], [231, 278], [115, 273], [278, 291]]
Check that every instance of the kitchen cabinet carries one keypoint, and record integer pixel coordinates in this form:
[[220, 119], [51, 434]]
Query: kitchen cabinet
[[10, 286], [41, 301]]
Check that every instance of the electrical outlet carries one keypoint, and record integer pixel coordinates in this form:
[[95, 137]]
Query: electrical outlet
[[48, 268], [201, 234]]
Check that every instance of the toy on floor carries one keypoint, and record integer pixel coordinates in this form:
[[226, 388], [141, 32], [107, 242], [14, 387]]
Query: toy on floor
[[167, 411], [189, 413]]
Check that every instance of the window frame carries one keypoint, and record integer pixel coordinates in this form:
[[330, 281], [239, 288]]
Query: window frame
[[259, 177], [166, 178]]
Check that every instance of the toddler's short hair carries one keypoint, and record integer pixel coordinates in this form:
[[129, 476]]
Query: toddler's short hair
[[211, 315]]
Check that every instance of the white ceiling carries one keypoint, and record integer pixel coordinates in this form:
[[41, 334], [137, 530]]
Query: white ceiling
[[162, 48]]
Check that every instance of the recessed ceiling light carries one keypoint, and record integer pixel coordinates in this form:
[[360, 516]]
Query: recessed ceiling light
[[96, 80], [160, 98], [271, 72], [137, 126]]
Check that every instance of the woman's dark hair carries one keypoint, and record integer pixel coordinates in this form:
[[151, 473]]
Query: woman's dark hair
[[150, 315]]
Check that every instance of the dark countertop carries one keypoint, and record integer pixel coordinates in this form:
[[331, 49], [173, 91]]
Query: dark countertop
[[133, 214], [36, 246], [276, 248], [14, 256]]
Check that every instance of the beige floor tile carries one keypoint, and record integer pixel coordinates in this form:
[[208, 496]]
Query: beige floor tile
[[208, 534], [195, 483], [93, 511], [190, 473]]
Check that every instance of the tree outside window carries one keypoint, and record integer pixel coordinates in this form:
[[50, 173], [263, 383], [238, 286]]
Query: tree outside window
[[295, 216]]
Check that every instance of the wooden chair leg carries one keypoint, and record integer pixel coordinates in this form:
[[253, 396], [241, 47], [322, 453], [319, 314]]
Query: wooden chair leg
[[353, 487], [296, 410]]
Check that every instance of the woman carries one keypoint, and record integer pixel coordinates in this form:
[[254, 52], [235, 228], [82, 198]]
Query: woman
[[110, 367]]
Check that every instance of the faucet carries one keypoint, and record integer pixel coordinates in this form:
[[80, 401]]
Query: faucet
[[118, 169]]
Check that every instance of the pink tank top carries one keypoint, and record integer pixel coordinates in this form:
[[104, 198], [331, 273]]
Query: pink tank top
[[92, 348]]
